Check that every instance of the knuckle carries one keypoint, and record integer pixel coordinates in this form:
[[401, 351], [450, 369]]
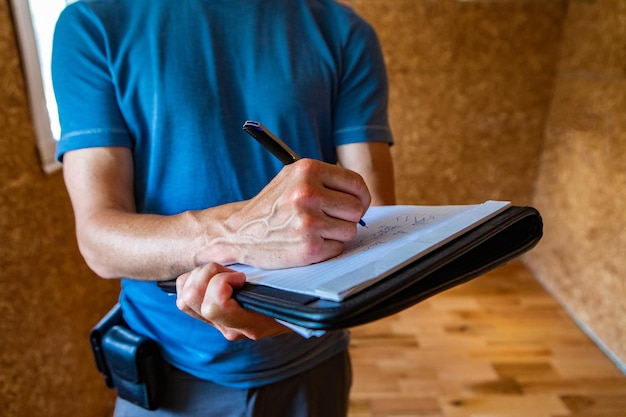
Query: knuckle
[[303, 194], [180, 304], [306, 167], [230, 335], [209, 311], [254, 335], [321, 250], [210, 268], [313, 251], [183, 301]]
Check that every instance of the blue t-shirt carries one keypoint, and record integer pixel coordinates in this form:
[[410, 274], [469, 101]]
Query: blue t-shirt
[[174, 81]]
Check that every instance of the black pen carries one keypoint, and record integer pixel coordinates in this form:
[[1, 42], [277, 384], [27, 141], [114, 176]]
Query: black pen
[[272, 143]]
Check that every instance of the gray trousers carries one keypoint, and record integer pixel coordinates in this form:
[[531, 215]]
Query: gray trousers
[[320, 392]]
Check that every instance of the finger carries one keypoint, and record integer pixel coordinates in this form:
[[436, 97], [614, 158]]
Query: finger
[[182, 299], [229, 334], [220, 289], [345, 195], [184, 296], [329, 224], [266, 327], [232, 320], [332, 177], [215, 304], [257, 327], [218, 305], [191, 287], [341, 206], [347, 182], [180, 282], [327, 249]]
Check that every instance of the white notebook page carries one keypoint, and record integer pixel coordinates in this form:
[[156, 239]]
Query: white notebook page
[[394, 237]]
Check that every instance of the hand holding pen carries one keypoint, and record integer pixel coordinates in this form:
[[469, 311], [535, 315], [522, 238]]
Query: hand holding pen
[[272, 143], [303, 216]]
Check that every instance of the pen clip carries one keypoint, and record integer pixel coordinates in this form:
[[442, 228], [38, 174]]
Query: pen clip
[[271, 142]]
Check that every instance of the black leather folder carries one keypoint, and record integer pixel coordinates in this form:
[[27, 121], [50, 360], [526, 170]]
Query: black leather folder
[[504, 237]]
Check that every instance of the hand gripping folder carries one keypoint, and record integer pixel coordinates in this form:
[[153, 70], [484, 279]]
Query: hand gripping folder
[[500, 239]]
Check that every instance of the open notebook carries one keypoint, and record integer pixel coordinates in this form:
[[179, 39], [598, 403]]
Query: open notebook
[[405, 255], [394, 237]]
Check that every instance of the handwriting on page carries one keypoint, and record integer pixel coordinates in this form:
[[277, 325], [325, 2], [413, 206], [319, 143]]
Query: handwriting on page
[[378, 234], [394, 236]]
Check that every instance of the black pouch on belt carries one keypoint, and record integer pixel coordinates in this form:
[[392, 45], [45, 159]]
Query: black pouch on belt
[[130, 363]]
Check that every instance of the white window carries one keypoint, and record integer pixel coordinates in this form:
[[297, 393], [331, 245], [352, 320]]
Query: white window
[[34, 22]]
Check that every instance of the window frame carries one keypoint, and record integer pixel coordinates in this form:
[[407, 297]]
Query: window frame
[[34, 35]]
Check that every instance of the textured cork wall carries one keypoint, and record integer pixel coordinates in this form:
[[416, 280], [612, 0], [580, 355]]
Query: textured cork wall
[[471, 83], [582, 182], [471, 90], [48, 299]]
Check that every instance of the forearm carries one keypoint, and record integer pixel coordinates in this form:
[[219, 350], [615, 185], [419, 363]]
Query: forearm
[[373, 161], [116, 243], [303, 216], [115, 240]]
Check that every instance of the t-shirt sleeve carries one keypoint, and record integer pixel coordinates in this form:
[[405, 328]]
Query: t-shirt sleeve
[[361, 107], [86, 96]]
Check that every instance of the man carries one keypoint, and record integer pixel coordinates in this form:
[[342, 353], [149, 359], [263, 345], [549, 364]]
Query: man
[[152, 95]]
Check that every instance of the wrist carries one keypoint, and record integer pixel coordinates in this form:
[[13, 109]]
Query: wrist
[[214, 241]]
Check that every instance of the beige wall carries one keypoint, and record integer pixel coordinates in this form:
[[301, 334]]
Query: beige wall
[[523, 101], [48, 299], [581, 190], [473, 85]]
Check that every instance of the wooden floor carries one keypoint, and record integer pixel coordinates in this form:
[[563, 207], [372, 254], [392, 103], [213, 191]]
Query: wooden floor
[[497, 346]]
